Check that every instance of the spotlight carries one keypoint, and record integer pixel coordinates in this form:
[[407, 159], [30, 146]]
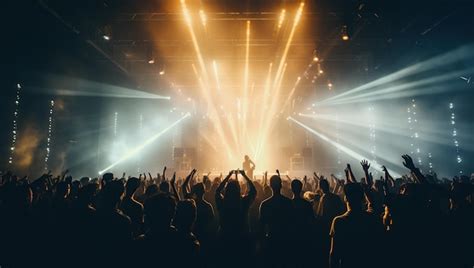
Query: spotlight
[[344, 33], [151, 61], [150, 140], [281, 18], [330, 85], [315, 59], [203, 17], [162, 72], [106, 37]]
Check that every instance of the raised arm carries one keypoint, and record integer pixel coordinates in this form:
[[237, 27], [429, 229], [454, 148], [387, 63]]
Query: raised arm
[[408, 163], [252, 190], [365, 166], [350, 174], [184, 187], [173, 187], [221, 186]]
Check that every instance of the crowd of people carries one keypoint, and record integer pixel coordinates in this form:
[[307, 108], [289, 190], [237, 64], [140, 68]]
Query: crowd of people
[[235, 220]]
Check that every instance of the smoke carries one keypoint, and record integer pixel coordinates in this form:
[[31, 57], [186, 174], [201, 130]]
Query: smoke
[[27, 145]]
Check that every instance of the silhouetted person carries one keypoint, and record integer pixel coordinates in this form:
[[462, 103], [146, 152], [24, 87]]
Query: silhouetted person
[[355, 234], [248, 166], [188, 243], [113, 226], [131, 207], [159, 244], [276, 222], [233, 213]]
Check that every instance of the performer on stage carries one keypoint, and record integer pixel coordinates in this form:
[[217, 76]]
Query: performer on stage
[[248, 166]]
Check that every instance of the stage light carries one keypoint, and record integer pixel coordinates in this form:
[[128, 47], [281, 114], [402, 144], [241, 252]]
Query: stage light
[[281, 18], [147, 142], [106, 37], [315, 59], [344, 33], [15, 126], [203, 17], [151, 61], [162, 72], [338, 146], [49, 136]]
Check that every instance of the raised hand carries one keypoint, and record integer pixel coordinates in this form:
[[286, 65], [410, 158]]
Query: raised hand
[[278, 172], [164, 173], [173, 179], [408, 162], [365, 165]]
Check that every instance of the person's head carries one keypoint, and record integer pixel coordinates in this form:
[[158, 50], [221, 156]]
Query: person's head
[[185, 215], [324, 185], [151, 190], [247, 158], [112, 194], [159, 210], [132, 185], [207, 183], [354, 195], [198, 189], [62, 189], [87, 193], [164, 187], [296, 187], [84, 181], [275, 183], [232, 190], [108, 177], [378, 185]]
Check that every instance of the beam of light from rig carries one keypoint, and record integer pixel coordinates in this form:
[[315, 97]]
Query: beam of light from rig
[[386, 127], [263, 107], [203, 17], [216, 76], [214, 116], [462, 53], [147, 142], [416, 87], [246, 80], [349, 152], [204, 81], [281, 18], [275, 88]]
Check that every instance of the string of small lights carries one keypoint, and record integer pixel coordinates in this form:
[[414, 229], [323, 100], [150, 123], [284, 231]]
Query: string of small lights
[[50, 132], [454, 135], [115, 124], [15, 123], [373, 148], [413, 127]]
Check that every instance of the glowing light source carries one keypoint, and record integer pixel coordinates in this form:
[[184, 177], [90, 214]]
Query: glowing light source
[[49, 136], [147, 142], [203, 17], [106, 37], [15, 121], [344, 34], [339, 146], [454, 135], [281, 18]]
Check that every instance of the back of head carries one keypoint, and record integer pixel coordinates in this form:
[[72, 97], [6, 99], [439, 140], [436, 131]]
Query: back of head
[[198, 189], [296, 187], [324, 185], [112, 193], [232, 190], [108, 177], [151, 190], [354, 194], [85, 180], [159, 210], [275, 183], [185, 215], [164, 187], [87, 193], [132, 185]]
